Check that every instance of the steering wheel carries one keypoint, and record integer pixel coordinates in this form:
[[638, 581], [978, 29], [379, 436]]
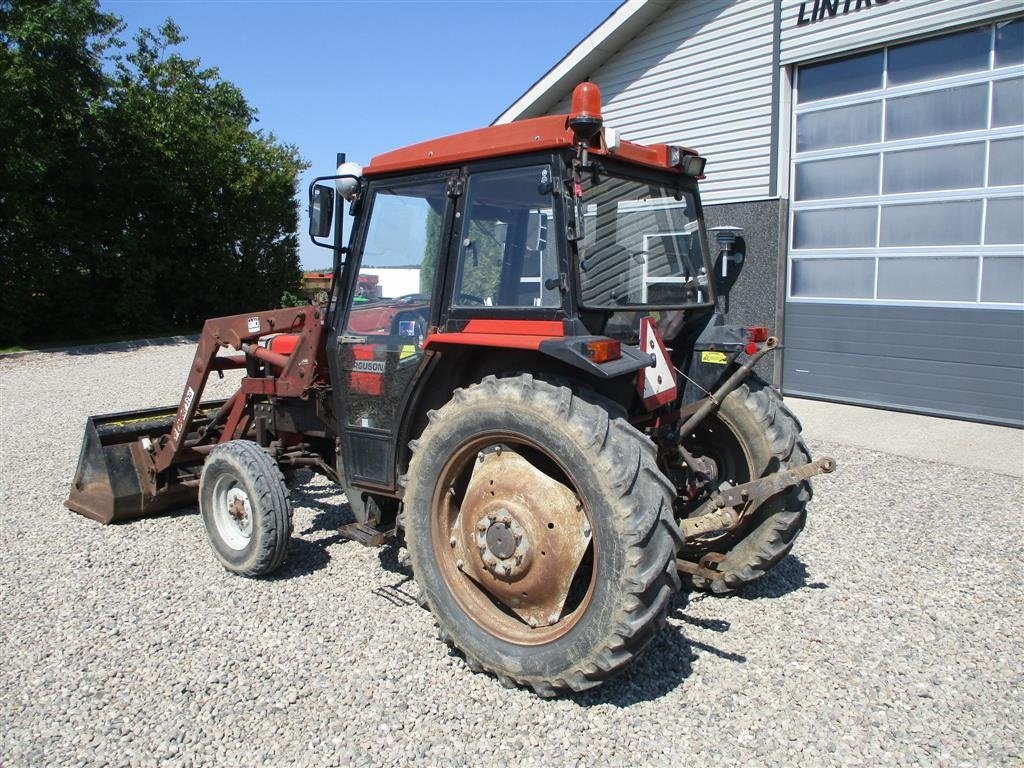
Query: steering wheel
[[410, 298], [461, 298]]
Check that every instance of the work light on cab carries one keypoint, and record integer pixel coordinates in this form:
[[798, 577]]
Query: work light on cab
[[347, 182], [688, 161]]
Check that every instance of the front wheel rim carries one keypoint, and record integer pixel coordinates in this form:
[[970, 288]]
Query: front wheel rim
[[232, 513]]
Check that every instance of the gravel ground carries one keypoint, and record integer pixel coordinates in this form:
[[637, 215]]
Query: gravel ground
[[891, 637]]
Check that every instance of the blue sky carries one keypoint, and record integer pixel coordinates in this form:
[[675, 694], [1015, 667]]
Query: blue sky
[[368, 77]]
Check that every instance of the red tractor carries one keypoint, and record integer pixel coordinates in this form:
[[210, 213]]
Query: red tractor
[[558, 422]]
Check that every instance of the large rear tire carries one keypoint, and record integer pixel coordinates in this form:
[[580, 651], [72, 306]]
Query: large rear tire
[[243, 499], [751, 435], [491, 598]]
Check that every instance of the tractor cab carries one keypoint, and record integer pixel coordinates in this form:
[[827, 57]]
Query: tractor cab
[[539, 245], [554, 218]]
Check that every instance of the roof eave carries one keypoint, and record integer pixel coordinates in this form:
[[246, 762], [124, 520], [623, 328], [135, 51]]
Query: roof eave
[[624, 23]]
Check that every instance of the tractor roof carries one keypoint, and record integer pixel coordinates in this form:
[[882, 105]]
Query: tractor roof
[[550, 132]]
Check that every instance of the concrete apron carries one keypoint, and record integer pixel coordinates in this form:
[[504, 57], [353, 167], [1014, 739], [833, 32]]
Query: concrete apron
[[961, 443]]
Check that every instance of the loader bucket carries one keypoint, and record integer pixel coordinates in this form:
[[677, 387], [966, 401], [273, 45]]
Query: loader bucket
[[109, 485]]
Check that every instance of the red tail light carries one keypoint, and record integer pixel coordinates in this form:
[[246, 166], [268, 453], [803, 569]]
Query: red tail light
[[602, 350], [757, 333]]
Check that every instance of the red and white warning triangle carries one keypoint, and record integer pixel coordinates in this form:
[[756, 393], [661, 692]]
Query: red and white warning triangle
[[656, 384]]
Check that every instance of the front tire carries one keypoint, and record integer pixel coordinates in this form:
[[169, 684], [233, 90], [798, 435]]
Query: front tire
[[480, 559], [243, 499]]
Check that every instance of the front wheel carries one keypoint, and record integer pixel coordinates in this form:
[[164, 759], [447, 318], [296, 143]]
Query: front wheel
[[541, 533], [751, 435], [243, 499]]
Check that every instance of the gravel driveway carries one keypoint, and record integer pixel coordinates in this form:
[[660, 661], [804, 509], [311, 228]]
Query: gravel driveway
[[893, 635]]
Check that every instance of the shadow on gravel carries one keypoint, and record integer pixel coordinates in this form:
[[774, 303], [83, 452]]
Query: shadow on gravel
[[666, 663], [170, 514], [306, 555], [788, 576], [330, 517], [391, 561]]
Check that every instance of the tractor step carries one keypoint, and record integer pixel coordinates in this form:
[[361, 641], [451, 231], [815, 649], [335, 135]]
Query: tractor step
[[365, 534]]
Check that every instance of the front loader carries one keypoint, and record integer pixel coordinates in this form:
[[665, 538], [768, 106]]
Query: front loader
[[540, 397]]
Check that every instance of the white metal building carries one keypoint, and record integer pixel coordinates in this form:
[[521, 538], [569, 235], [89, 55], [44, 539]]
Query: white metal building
[[873, 152]]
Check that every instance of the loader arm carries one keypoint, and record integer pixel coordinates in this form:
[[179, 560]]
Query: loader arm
[[144, 462], [297, 371]]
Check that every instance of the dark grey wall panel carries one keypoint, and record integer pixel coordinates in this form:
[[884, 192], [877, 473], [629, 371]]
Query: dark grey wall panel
[[752, 296], [967, 363]]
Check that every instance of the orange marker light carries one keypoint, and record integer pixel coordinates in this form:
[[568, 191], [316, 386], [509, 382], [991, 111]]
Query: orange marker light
[[602, 350]]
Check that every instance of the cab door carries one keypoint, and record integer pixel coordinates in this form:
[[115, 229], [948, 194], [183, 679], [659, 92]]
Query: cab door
[[376, 348]]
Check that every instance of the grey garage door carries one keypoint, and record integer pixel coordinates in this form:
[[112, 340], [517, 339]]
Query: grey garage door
[[906, 256]]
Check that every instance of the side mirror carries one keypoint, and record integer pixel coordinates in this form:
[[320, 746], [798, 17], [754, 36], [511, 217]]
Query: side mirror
[[321, 210]]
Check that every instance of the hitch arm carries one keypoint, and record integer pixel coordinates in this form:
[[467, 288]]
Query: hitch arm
[[727, 507]]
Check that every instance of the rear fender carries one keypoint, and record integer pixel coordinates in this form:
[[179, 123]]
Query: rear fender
[[714, 356], [455, 366]]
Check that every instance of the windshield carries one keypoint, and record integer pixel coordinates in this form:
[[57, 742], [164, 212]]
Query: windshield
[[642, 246]]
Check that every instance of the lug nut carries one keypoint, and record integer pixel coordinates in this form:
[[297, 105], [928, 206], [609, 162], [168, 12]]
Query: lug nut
[[507, 570], [452, 541], [532, 622], [482, 525], [552, 619], [460, 564]]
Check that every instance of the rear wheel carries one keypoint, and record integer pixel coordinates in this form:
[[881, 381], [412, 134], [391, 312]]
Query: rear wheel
[[751, 435], [541, 534], [244, 503]]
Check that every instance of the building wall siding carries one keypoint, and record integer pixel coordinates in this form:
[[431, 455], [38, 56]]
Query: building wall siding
[[700, 75], [876, 24]]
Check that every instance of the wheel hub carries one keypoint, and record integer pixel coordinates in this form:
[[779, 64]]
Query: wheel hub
[[236, 509], [503, 545], [232, 513], [520, 535]]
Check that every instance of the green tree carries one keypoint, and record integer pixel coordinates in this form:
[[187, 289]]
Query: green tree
[[157, 205], [51, 157]]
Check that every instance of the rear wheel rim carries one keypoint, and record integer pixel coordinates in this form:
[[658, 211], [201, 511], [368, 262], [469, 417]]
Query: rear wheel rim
[[232, 513], [477, 603], [715, 440]]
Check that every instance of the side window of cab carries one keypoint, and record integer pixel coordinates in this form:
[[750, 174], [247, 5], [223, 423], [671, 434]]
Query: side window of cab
[[506, 258]]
